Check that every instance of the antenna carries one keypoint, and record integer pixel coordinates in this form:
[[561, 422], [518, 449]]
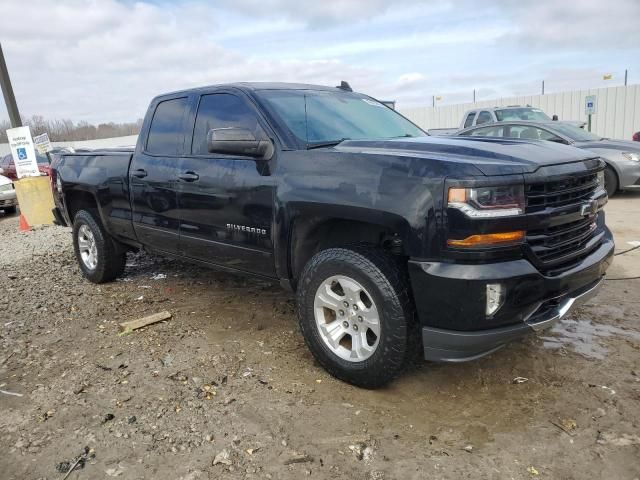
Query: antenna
[[345, 86]]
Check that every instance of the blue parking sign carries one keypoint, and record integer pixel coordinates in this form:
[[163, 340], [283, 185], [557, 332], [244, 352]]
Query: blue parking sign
[[22, 153]]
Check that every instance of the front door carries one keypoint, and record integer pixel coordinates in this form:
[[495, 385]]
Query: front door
[[153, 177], [225, 202]]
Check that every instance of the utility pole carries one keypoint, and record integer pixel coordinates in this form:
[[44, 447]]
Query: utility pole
[[542, 87], [7, 92], [474, 95], [433, 101], [626, 73]]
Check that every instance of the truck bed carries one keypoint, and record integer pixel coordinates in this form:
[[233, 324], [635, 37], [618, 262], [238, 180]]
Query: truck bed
[[104, 175]]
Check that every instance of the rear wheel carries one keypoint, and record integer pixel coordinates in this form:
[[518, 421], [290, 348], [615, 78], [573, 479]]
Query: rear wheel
[[355, 314], [10, 210], [99, 257], [610, 181]]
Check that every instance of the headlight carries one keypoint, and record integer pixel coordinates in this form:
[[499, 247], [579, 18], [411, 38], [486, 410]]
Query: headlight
[[600, 175], [634, 157], [488, 202]]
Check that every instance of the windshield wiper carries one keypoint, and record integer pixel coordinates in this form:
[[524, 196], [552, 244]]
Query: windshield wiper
[[328, 143]]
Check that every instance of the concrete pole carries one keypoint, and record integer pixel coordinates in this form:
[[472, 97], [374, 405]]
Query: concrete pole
[[7, 92], [626, 74], [542, 87]]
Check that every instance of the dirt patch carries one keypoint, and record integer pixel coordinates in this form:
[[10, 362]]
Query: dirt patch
[[227, 389]]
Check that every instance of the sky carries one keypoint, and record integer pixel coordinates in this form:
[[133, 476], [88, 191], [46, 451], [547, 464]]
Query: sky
[[104, 60]]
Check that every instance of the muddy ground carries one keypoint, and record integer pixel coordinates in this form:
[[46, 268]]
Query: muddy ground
[[227, 388]]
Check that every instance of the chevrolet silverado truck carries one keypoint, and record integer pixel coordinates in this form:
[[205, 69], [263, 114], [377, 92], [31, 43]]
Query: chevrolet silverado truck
[[390, 238]]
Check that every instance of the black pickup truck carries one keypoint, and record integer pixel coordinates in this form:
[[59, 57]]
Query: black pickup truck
[[385, 234]]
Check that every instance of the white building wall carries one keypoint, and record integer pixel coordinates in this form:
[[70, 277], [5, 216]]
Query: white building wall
[[618, 110]]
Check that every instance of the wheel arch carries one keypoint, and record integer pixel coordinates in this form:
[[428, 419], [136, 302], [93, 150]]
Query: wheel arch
[[77, 199], [320, 228]]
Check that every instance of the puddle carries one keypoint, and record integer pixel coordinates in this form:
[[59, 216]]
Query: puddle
[[585, 337]]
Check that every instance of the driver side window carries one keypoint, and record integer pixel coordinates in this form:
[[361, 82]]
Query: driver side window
[[220, 110], [527, 132], [484, 117]]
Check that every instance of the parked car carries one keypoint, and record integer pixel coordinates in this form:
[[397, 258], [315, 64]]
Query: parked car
[[8, 167], [636, 137], [622, 156], [8, 199], [387, 235], [481, 116]]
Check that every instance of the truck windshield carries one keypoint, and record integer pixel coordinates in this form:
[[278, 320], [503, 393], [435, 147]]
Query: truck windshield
[[317, 117], [532, 114]]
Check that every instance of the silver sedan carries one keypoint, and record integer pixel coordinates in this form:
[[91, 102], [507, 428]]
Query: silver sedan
[[622, 156]]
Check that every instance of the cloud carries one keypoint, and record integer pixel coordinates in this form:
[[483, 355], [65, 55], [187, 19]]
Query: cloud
[[568, 25], [326, 13], [104, 60]]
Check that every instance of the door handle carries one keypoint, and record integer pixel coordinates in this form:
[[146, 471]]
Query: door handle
[[189, 176], [140, 173]]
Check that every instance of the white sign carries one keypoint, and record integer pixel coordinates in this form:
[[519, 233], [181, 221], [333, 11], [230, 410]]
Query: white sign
[[24, 155], [42, 143], [590, 104]]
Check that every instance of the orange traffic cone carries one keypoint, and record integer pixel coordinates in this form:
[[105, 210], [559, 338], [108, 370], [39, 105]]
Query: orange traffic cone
[[24, 226]]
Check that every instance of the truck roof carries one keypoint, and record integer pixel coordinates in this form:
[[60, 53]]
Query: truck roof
[[253, 86]]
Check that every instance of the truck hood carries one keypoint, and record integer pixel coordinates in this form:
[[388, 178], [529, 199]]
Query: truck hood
[[491, 156]]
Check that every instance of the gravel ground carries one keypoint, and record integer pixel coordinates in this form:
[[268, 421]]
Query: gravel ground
[[227, 389]]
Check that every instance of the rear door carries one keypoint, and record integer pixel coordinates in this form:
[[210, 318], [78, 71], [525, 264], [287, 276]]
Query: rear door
[[226, 202], [153, 176]]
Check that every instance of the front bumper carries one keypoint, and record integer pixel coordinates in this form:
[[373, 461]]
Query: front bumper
[[629, 175], [8, 198], [451, 346], [451, 298]]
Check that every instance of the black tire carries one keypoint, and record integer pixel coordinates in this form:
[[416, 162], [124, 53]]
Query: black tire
[[610, 181], [10, 210], [111, 258], [386, 281]]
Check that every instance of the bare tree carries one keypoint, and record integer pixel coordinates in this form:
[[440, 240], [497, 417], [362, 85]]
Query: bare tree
[[64, 130]]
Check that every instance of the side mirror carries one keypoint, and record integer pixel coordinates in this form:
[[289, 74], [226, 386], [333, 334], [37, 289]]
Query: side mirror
[[238, 141]]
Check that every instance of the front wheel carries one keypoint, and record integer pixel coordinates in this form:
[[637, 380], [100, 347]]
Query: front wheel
[[610, 181], [97, 254], [355, 314]]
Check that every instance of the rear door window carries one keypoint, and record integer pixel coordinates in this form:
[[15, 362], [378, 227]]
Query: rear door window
[[492, 131], [166, 133]]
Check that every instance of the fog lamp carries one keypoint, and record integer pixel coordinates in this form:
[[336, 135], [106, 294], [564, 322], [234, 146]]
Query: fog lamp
[[495, 297]]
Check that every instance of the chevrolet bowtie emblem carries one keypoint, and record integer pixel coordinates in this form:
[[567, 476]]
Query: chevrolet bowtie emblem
[[587, 209]]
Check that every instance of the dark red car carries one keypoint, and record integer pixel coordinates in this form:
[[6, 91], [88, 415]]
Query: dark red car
[[636, 137], [8, 167]]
